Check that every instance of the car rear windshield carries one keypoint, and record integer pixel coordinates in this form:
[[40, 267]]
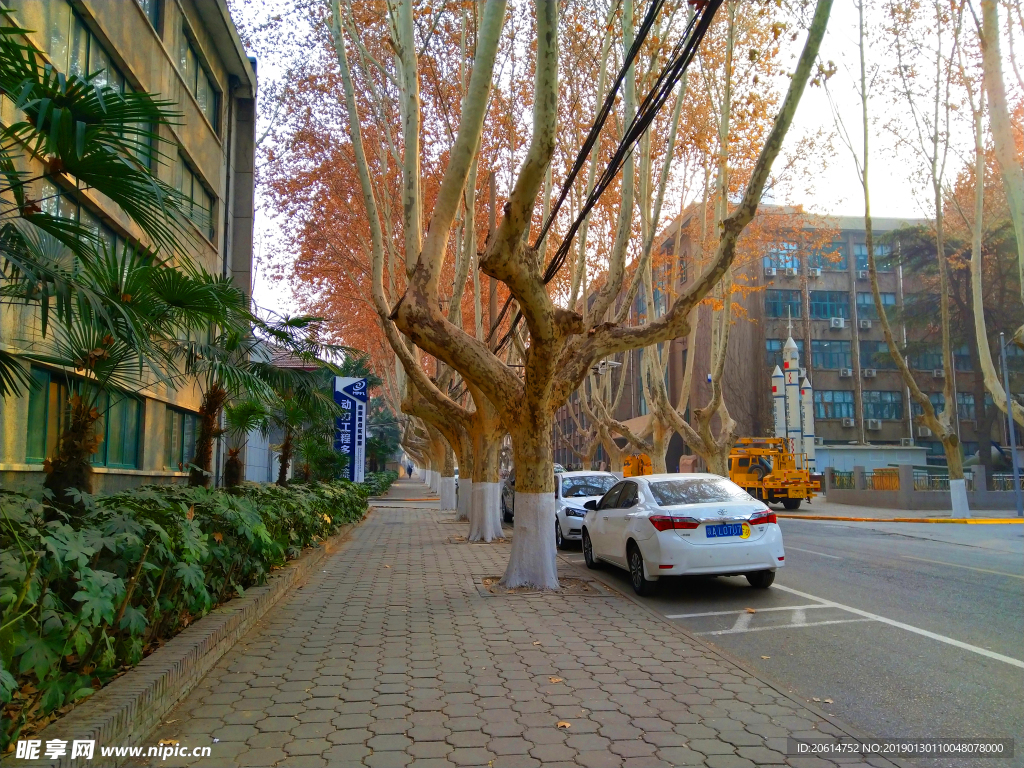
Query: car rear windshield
[[669, 493], [586, 485]]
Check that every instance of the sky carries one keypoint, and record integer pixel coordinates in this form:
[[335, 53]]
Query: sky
[[833, 187]]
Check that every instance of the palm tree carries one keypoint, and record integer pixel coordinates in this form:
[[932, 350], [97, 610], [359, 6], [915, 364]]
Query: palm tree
[[242, 419], [85, 135]]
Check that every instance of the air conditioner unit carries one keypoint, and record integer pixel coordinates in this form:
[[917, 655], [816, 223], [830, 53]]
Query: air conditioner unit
[[938, 373], [865, 325], [874, 424], [803, 374], [837, 322], [790, 271], [819, 441], [769, 271], [863, 274], [848, 422], [814, 272], [907, 442], [924, 432], [846, 373], [870, 373]]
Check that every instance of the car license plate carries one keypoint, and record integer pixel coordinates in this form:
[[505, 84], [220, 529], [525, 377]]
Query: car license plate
[[727, 529]]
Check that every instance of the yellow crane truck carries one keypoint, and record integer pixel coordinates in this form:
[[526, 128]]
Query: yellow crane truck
[[767, 469]]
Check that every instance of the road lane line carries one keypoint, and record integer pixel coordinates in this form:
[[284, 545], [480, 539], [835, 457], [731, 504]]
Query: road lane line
[[733, 613], [954, 565], [908, 627], [812, 552], [735, 631]]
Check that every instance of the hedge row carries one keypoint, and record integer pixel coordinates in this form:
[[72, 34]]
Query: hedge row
[[84, 598]]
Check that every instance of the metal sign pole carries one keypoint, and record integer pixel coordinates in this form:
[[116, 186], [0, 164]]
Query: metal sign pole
[[1013, 435]]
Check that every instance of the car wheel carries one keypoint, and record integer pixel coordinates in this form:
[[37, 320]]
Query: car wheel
[[761, 579], [641, 584], [588, 552], [559, 541], [791, 503]]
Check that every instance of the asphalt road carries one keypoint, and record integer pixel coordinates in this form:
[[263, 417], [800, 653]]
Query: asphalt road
[[900, 630]]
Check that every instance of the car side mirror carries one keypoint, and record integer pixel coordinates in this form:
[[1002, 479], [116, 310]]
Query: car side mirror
[[591, 505]]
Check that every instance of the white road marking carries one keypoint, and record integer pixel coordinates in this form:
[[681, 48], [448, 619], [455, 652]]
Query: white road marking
[[733, 613], [908, 627], [968, 567], [734, 631], [812, 552]]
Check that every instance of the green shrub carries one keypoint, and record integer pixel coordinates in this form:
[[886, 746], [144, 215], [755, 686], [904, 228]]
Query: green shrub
[[83, 599]]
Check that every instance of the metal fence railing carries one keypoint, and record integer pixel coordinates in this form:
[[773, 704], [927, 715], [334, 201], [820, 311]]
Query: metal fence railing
[[930, 481], [1003, 481], [842, 481], [882, 480]]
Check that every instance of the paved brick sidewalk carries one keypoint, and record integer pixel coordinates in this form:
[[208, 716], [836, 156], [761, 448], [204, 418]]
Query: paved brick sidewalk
[[392, 656]]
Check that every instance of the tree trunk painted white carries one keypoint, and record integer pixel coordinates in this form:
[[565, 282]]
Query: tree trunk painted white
[[426, 478], [485, 519], [958, 495], [533, 561], [435, 481], [446, 486], [465, 506]]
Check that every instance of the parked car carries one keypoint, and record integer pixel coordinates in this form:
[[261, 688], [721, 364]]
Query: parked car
[[572, 491], [508, 493], [671, 525]]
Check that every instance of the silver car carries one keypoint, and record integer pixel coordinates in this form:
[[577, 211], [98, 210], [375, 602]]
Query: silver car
[[572, 491]]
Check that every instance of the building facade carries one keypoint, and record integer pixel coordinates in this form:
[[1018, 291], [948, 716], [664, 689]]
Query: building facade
[[821, 295], [189, 52]]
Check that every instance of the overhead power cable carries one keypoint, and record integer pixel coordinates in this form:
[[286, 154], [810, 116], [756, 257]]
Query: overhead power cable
[[681, 57]]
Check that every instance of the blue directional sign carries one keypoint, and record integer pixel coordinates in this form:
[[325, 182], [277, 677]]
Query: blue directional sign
[[350, 427]]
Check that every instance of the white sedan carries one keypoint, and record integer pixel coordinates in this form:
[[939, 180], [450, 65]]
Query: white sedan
[[572, 491], [683, 524]]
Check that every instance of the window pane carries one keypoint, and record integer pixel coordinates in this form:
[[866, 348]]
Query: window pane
[[35, 449], [56, 403], [883, 405], [777, 303], [827, 304], [833, 404], [191, 69], [171, 456], [183, 54], [132, 419], [188, 440], [58, 32], [115, 431], [78, 60], [202, 92], [99, 459], [830, 355], [99, 61]]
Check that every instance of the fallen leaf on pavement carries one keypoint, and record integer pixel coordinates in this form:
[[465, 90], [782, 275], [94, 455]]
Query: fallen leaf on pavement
[[751, 610], [387, 566], [563, 724], [815, 698], [536, 642], [555, 679], [766, 657], [829, 701]]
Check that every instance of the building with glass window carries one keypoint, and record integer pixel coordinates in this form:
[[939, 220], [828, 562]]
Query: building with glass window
[[187, 51], [813, 283]]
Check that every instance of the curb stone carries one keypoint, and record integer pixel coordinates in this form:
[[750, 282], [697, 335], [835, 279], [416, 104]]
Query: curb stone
[[849, 730], [128, 709]]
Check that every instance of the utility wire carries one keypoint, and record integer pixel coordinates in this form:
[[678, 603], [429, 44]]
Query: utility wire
[[656, 98]]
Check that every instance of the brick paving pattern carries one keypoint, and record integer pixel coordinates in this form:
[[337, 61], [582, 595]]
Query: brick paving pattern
[[392, 656]]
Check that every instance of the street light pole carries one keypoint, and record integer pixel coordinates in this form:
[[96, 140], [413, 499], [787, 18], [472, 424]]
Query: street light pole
[[1013, 435]]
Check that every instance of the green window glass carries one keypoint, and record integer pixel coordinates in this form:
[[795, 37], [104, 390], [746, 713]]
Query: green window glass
[[833, 404], [938, 401], [35, 449], [198, 80], [833, 257], [883, 405], [875, 354], [827, 304], [860, 254], [773, 351], [179, 439], [866, 305], [831, 355], [782, 303]]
